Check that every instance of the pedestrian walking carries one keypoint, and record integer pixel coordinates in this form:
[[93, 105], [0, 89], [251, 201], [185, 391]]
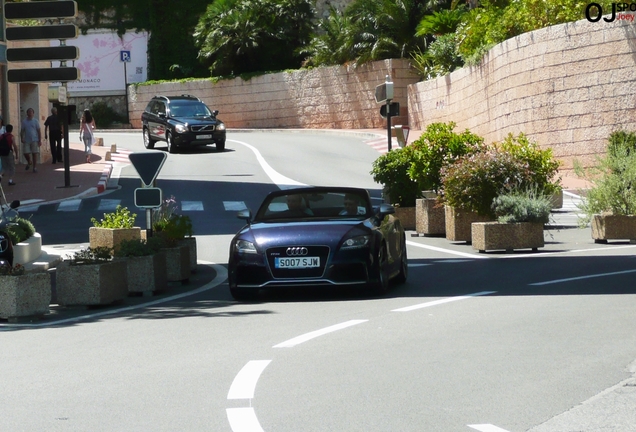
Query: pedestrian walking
[[8, 154], [87, 125], [53, 130], [31, 138]]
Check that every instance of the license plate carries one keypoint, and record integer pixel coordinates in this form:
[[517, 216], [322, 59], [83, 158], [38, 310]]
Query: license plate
[[204, 136], [304, 262]]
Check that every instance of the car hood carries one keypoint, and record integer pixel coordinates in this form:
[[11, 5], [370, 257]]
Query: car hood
[[303, 233], [196, 120]]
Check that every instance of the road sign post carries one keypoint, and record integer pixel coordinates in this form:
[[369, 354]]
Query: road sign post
[[384, 93], [124, 56], [148, 165]]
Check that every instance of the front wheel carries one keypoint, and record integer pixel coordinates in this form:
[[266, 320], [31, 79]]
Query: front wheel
[[381, 285], [220, 145], [149, 143], [172, 148], [404, 268], [241, 294]]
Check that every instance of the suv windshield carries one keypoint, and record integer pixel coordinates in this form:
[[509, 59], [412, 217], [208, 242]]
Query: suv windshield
[[188, 108]]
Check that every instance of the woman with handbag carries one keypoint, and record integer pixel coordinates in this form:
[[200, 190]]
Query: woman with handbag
[[87, 125]]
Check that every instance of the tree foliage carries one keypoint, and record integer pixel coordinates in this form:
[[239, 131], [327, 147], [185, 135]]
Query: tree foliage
[[242, 36]]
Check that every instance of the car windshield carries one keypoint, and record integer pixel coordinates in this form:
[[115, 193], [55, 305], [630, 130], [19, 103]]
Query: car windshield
[[304, 205], [187, 108]]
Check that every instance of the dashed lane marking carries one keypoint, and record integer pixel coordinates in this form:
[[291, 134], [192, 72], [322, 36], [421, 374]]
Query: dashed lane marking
[[244, 383], [108, 204], [234, 205], [70, 205], [314, 334], [442, 301], [487, 428], [191, 206]]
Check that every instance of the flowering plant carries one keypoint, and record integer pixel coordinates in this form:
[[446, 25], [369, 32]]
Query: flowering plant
[[170, 225], [16, 270]]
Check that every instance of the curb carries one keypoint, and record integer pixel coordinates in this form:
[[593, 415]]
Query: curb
[[103, 180]]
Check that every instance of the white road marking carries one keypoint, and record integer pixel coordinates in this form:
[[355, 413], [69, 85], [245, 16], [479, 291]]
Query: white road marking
[[30, 201], [555, 281], [419, 265], [108, 204], [451, 261], [442, 301], [448, 251], [234, 205], [191, 206], [314, 334], [70, 205], [487, 428], [278, 179], [244, 383], [243, 420]]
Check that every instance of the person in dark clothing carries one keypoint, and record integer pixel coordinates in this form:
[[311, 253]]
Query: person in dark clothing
[[54, 129]]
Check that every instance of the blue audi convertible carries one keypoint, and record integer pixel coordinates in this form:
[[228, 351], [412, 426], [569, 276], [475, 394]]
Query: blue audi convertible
[[315, 236]]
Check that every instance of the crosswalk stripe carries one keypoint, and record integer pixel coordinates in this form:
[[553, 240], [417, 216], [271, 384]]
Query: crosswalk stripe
[[70, 205], [234, 205], [191, 206], [108, 204]]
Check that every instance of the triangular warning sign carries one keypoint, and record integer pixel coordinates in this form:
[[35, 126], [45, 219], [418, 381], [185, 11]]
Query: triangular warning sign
[[148, 165]]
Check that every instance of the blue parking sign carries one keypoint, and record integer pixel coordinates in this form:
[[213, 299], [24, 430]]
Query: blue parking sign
[[124, 56]]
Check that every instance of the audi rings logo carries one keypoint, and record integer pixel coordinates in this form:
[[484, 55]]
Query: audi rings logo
[[297, 251]]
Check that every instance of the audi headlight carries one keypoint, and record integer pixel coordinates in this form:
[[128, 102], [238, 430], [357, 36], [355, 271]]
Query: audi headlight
[[356, 242], [244, 246], [181, 128], [220, 126]]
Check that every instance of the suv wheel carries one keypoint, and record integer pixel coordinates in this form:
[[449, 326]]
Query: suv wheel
[[220, 145], [148, 142], [172, 148]]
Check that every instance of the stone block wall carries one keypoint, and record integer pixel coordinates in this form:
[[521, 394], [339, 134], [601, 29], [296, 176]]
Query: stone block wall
[[341, 97], [567, 87]]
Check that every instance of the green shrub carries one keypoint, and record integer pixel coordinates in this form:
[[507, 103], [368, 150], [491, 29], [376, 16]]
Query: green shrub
[[27, 226], [392, 171], [621, 140], [89, 255], [541, 164], [613, 181], [474, 181], [17, 234], [522, 206], [437, 147], [174, 229], [104, 115], [120, 218], [139, 247]]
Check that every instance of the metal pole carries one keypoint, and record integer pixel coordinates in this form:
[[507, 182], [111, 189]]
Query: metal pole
[[126, 88], [148, 223], [388, 121]]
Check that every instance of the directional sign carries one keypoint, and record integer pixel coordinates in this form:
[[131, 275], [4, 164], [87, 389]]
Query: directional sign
[[40, 9], [394, 109], [148, 165], [60, 74], [148, 197], [42, 53], [63, 31]]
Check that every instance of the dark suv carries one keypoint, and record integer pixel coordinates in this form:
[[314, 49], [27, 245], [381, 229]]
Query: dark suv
[[181, 121]]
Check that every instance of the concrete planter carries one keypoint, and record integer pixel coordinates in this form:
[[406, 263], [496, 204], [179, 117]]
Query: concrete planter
[[24, 295], [458, 223], [28, 250], [111, 237], [191, 242], [147, 274], [430, 218], [613, 227], [91, 284], [406, 215], [557, 200], [507, 236], [178, 263]]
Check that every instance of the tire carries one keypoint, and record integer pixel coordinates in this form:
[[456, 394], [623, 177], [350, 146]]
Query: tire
[[381, 285], [241, 294], [148, 142], [404, 268], [171, 147], [220, 146]]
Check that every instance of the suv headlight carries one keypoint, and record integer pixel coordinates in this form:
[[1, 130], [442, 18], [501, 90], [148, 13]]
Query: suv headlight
[[181, 128], [220, 126], [244, 246], [356, 242]]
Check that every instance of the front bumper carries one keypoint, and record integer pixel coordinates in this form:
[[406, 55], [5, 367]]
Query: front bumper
[[189, 139]]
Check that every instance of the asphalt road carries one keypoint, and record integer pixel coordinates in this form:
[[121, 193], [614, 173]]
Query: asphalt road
[[496, 342]]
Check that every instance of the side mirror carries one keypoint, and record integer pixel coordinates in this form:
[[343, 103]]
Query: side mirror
[[215, 113], [245, 214], [386, 209], [14, 204], [162, 115]]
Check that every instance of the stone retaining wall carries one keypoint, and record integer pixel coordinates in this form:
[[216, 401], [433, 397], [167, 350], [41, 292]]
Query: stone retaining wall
[[567, 86], [339, 97]]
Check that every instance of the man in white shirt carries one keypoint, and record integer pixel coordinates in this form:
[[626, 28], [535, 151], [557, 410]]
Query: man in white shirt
[[31, 138]]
